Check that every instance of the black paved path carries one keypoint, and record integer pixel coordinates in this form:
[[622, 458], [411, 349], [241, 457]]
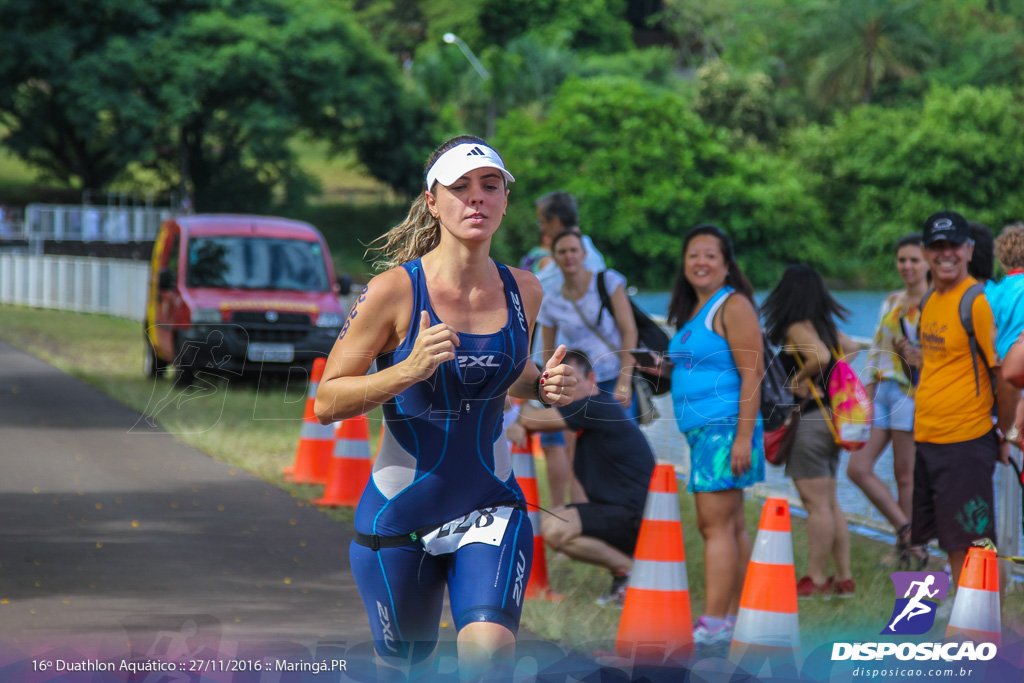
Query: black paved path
[[103, 531]]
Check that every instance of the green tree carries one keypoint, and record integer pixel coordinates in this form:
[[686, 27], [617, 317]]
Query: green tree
[[653, 65], [240, 89], [741, 102], [400, 26], [644, 169], [68, 95], [693, 26], [888, 169], [854, 44], [589, 25], [523, 73], [982, 45], [207, 93]]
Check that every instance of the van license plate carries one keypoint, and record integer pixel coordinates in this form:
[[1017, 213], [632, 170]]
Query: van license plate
[[271, 353]]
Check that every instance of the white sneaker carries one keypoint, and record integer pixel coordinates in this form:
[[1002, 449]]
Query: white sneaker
[[706, 639], [616, 595]]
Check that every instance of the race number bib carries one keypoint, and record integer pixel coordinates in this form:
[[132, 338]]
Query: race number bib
[[486, 525]]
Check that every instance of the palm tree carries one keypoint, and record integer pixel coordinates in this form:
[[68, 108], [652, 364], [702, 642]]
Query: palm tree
[[852, 45]]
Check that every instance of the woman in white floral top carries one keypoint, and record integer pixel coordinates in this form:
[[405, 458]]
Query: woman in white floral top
[[891, 385]]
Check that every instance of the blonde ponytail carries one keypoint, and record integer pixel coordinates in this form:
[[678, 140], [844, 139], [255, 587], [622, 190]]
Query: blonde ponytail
[[413, 237]]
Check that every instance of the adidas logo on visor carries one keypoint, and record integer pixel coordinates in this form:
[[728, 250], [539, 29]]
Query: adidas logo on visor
[[460, 160]]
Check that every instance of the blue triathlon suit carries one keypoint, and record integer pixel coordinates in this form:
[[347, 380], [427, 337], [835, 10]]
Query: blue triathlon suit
[[443, 455]]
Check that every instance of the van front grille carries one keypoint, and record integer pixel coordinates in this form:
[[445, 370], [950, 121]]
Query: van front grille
[[260, 318], [275, 334]]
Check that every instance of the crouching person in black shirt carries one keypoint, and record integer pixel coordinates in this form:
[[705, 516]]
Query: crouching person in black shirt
[[613, 463]]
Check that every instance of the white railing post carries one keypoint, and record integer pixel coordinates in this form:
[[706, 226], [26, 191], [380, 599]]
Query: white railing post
[[58, 223], [94, 299], [1008, 496], [62, 280], [44, 298], [6, 265], [35, 283]]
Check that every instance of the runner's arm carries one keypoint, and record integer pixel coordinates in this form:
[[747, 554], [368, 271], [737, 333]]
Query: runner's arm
[[373, 327], [559, 380]]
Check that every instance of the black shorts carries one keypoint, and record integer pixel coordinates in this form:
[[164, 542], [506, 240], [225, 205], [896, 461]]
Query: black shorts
[[616, 525], [953, 492]]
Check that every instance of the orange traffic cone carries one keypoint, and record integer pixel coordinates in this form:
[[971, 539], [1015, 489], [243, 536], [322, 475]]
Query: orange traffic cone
[[767, 624], [526, 474], [975, 613], [316, 441], [656, 622], [350, 467]]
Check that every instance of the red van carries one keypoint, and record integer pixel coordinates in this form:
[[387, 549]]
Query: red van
[[239, 294]]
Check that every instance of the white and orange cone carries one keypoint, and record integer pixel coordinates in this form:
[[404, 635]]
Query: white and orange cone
[[767, 624], [656, 624], [526, 474], [975, 613], [316, 441], [350, 467]]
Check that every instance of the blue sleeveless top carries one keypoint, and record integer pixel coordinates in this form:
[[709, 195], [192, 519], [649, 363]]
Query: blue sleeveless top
[[705, 382], [442, 452]]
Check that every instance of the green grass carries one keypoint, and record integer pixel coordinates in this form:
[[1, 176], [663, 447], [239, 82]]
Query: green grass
[[256, 428], [337, 173], [16, 177]]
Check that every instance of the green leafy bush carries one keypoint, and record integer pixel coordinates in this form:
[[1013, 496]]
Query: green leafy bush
[[645, 169], [885, 170]]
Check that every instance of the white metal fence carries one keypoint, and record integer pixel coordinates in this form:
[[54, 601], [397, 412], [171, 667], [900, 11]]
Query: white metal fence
[[85, 223], [111, 286]]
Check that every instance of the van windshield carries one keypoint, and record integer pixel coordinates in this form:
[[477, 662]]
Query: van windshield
[[256, 263]]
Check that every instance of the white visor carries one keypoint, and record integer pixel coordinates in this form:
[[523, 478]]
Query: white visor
[[461, 159]]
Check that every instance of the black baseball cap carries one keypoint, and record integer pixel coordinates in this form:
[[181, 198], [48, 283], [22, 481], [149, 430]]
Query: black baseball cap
[[946, 225]]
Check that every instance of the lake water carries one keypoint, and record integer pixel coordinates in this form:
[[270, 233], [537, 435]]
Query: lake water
[[863, 307], [668, 446]]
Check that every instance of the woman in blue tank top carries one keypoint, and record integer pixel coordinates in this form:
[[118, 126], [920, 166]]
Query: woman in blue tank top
[[449, 330], [716, 394]]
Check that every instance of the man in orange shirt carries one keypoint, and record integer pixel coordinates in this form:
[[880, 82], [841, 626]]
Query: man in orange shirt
[[957, 444]]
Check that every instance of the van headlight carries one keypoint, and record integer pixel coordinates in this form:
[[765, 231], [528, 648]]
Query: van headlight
[[329, 320], [206, 316]]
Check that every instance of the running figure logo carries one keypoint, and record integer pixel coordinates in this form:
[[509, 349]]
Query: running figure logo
[[914, 613]]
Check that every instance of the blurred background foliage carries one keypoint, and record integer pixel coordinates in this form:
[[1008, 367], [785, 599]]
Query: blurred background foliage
[[811, 130]]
